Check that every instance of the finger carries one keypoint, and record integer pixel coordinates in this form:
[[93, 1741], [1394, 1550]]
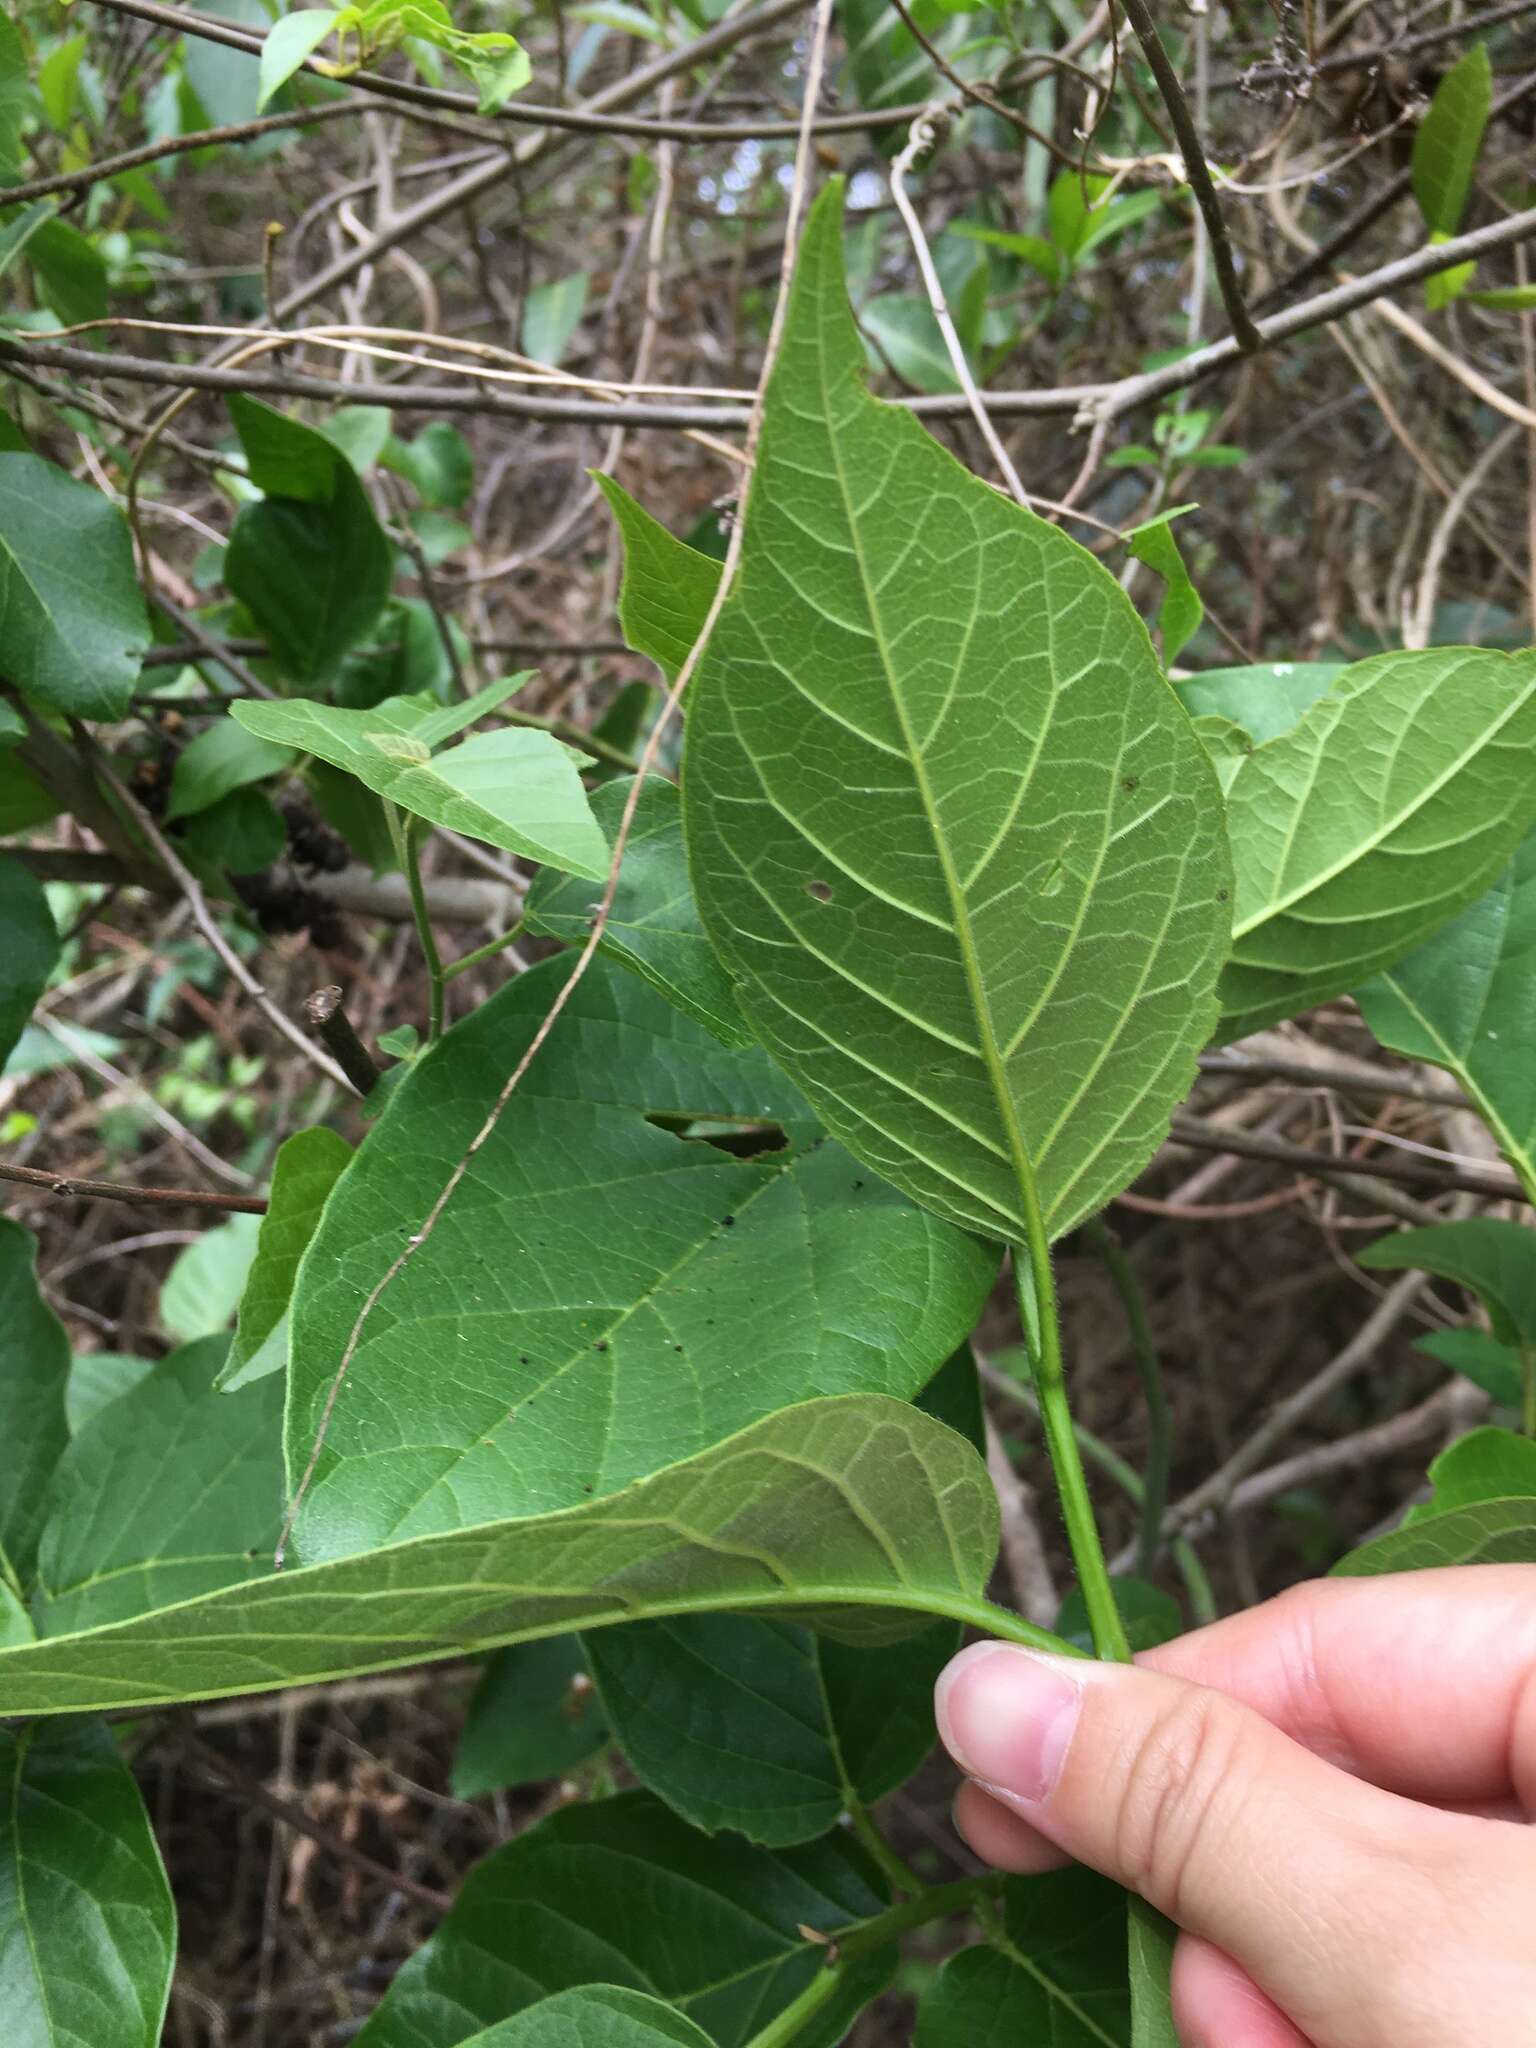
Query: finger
[[1314, 1881], [1423, 1682], [1216, 2004], [1001, 1837]]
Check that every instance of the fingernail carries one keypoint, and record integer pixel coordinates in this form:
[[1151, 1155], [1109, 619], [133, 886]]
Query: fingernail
[[1007, 1716]]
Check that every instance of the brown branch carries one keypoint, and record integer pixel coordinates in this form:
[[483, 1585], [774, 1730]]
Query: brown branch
[[1203, 1136], [209, 1760], [151, 152], [1377, 53], [1244, 332], [69, 1185]]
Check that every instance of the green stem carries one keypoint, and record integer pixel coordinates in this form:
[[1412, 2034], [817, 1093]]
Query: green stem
[[1528, 1403], [1154, 1490], [410, 846], [1042, 1337], [898, 1876], [486, 952], [936, 1903]]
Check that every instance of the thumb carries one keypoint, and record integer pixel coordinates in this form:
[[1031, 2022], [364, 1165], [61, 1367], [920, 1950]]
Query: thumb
[[1322, 1887]]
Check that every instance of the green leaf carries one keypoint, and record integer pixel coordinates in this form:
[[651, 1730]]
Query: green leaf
[[1493, 1366], [551, 315], [73, 629], [223, 758], [1482, 1511], [241, 833], [34, 1372], [87, 1923], [70, 272], [1492, 1258], [23, 800], [310, 562], [307, 1167], [915, 702], [653, 927], [1445, 286], [288, 43], [623, 1890], [1446, 146], [1151, 1616], [15, 94], [1265, 700], [1041, 256], [16, 234], [203, 1288], [1515, 298], [903, 333], [1466, 1000], [584, 1305], [857, 1510], [1181, 610], [734, 1721], [517, 788], [1150, 1937], [535, 1715], [668, 586], [31, 949], [225, 81], [1390, 807], [58, 82], [439, 462], [594, 2016], [1227, 744], [361, 432], [169, 1493], [1056, 1972], [97, 1378]]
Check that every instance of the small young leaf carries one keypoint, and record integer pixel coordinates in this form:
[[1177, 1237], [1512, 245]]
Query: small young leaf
[[1467, 1001], [171, 1492], [89, 1926], [1181, 611], [668, 585], [892, 764], [1446, 146], [653, 927], [1515, 298], [307, 1167], [223, 758], [71, 645], [551, 316], [624, 1889], [288, 43], [34, 1373], [439, 462], [535, 1715], [1391, 806]]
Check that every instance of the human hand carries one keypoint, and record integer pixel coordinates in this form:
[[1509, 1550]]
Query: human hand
[[1330, 1794]]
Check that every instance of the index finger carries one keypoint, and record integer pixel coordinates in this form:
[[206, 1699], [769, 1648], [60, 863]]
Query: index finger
[[1422, 1682]]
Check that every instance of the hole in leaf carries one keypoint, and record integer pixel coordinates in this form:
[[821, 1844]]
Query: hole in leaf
[[740, 1140], [822, 891]]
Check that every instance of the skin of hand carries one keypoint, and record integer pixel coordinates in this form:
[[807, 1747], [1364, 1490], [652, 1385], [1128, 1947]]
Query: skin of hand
[[1330, 1794]]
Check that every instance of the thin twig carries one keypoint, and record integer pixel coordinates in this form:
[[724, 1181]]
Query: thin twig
[[72, 1186], [326, 1012], [1205, 1137], [658, 732]]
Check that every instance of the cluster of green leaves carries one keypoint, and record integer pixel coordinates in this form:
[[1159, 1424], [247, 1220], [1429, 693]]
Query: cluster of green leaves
[[916, 964], [496, 62]]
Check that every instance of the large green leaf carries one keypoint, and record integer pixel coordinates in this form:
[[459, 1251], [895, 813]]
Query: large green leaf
[[949, 826], [653, 927], [1055, 1974], [859, 1512], [535, 1714], [1494, 1259], [73, 628], [1445, 148], [34, 1373], [169, 1492], [31, 949], [1388, 808], [1467, 1001], [600, 1297], [310, 562], [622, 1892], [667, 586], [516, 788], [307, 1167], [87, 1923], [596, 2016]]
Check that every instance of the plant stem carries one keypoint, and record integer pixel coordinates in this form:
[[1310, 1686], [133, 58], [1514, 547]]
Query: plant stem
[[1528, 1403], [409, 838], [933, 1904], [1154, 1488], [1042, 1336], [486, 952]]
